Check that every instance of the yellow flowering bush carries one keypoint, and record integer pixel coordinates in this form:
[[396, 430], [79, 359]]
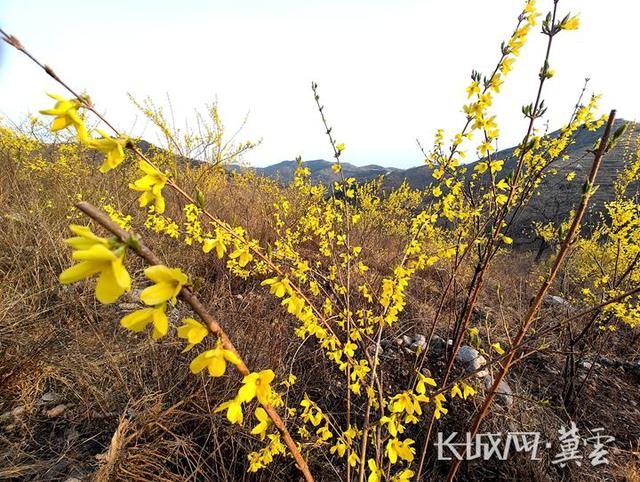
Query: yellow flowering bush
[[341, 262]]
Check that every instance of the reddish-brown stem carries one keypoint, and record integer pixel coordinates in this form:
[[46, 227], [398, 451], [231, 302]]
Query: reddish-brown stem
[[192, 300], [544, 288]]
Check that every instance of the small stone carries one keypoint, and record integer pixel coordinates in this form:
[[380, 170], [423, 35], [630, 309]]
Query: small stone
[[49, 397], [587, 365], [420, 340], [603, 360], [406, 340], [470, 358], [633, 367], [557, 301], [504, 394], [56, 411]]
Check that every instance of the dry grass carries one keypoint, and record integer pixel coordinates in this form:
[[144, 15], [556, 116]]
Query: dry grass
[[131, 410]]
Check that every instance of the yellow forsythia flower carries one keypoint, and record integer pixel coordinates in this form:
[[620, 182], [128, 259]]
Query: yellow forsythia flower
[[257, 385], [65, 112], [168, 283], [571, 24], [439, 409], [278, 287], [243, 255], [112, 148], [400, 449], [85, 238], [193, 331], [496, 346], [96, 256], [151, 186], [263, 425], [140, 319], [456, 392], [214, 360], [467, 390], [375, 474], [216, 244], [234, 410], [405, 476]]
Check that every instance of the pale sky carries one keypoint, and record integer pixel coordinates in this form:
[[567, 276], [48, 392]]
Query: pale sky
[[389, 71]]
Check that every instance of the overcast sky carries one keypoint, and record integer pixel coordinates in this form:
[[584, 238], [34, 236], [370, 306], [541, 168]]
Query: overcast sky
[[389, 71]]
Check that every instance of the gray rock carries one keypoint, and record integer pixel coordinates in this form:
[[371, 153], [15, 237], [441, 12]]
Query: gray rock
[[608, 362], [406, 340], [419, 343], [504, 394], [437, 345], [470, 359], [420, 340], [49, 397], [557, 301], [587, 365], [632, 367]]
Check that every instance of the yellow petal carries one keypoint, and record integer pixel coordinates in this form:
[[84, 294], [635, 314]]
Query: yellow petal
[[97, 252], [217, 365], [160, 322], [138, 320], [107, 289], [60, 123], [200, 362], [120, 273], [80, 271], [157, 293], [247, 392], [231, 357]]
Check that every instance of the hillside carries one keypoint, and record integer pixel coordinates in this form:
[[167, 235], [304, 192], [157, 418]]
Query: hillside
[[556, 195]]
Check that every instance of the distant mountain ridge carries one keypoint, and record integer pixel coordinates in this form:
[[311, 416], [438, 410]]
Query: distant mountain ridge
[[558, 195], [321, 171], [420, 176]]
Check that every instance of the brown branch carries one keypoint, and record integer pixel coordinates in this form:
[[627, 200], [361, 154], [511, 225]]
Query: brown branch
[[192, 300], [537, 301]]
